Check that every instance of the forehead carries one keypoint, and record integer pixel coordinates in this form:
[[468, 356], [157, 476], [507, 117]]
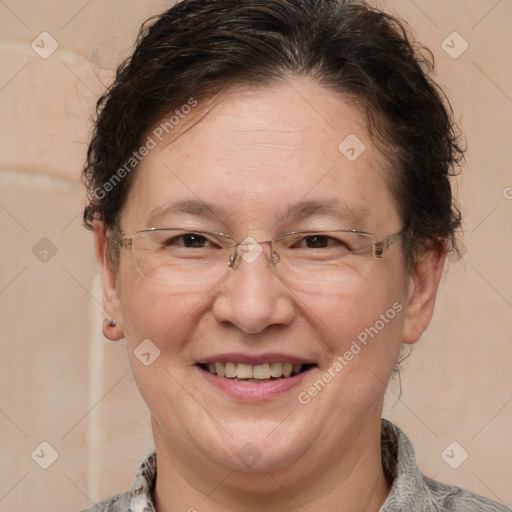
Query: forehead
[[256, 154]]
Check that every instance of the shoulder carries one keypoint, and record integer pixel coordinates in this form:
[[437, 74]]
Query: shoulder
[[451, 498], [138, 497], [411, 490], [118, 503]]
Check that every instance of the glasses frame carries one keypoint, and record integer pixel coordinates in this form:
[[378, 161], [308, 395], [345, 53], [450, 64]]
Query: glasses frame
[[379, 247]]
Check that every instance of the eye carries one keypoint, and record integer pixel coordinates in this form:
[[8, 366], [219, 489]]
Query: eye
[[191, 240], [316, 241]]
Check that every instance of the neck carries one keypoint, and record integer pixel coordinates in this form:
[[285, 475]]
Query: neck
[[350, 479]]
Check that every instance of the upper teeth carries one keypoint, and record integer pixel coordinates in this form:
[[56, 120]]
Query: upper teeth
[[258, 371]]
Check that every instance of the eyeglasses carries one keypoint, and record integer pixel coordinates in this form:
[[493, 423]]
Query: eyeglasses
[[175, 255]]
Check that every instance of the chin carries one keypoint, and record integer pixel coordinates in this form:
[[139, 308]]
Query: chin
[[257, 448]]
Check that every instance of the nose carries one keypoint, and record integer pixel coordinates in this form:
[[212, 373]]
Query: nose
[[252, 297]]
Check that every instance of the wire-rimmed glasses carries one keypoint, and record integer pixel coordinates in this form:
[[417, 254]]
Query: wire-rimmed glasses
[[181, 255]]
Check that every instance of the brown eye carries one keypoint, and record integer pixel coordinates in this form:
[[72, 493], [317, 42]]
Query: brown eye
[[191, 240], [316, 241]]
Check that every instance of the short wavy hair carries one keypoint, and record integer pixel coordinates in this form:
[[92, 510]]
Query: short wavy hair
[[199, 48]]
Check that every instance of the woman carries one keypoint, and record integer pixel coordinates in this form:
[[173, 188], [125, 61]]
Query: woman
[[271, 205]]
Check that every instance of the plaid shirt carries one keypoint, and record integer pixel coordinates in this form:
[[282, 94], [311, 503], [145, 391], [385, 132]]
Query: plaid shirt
[[410, 491]]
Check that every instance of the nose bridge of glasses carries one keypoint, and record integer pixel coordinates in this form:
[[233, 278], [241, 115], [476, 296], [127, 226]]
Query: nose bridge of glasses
[[249, 250]]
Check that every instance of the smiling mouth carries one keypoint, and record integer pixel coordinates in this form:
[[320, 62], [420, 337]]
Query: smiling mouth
[[265, 372]]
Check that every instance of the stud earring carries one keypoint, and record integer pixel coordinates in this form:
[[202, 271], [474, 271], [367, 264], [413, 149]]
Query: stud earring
[[110, 321]]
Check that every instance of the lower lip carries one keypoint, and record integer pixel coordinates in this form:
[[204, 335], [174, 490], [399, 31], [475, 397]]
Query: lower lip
[[254, 391]]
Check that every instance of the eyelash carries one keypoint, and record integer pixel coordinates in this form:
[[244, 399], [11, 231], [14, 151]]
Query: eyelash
[[326, 241]]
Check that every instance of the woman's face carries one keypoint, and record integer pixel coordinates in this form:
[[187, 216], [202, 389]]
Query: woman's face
[[259, 164]]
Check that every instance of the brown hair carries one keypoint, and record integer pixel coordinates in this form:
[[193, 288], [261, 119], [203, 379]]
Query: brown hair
[[199, 47]]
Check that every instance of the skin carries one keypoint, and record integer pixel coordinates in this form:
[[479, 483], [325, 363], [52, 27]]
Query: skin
[[252, 156]]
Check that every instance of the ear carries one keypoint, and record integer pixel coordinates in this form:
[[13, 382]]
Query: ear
[[423, 285], [111, 303]]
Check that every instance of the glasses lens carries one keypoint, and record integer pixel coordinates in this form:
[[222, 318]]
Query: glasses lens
[[172, 255], [322, 256]]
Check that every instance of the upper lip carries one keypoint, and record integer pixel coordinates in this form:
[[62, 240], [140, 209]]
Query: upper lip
[[253, 359]]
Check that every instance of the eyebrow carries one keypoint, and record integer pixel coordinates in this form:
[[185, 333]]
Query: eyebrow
[[194, 207], [301, 210], [331, 207]]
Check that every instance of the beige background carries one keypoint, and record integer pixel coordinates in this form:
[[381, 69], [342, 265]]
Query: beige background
[[62, 383]]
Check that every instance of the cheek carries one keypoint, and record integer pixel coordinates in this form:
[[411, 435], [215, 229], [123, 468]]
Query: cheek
[[364, 316], [158, 312], [363, 343]]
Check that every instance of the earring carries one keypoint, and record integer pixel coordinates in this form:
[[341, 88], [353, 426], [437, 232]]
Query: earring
[[109, 329], [110, 321]]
